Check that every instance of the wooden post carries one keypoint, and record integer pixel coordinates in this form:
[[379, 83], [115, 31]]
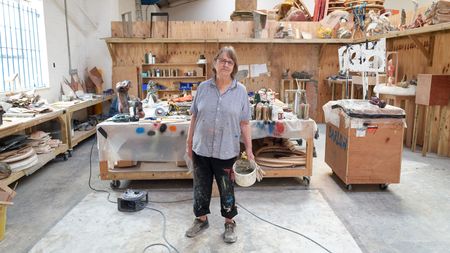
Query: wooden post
[[414, 135], [427, 131]]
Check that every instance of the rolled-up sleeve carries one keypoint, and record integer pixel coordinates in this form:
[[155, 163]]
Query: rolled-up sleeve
[[245, 113], [194, 106]]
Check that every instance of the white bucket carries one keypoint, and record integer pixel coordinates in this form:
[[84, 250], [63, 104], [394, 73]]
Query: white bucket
[[244, 179]]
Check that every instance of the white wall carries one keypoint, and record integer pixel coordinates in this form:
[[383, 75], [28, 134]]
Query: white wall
[[86, 27], [213, 10]]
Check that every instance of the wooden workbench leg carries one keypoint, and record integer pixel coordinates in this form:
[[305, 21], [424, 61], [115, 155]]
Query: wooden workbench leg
[[442, 149], [415, 127], [352, 91], [409, 110], [427, 131], [332, 89], [103, 170], [431, 130], [309, 156]]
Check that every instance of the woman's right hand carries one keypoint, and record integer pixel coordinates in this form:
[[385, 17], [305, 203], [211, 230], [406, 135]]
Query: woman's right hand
[[189, 149]]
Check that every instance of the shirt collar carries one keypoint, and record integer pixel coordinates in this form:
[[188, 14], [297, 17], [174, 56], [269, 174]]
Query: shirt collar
[[232, 86]]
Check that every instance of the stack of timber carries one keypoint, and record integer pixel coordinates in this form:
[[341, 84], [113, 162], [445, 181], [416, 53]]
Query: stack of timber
[[243, 10], [335, 5], [376, 5]]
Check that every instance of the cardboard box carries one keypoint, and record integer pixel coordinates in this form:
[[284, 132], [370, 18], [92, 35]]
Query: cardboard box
[[368, 155], [245, 5]]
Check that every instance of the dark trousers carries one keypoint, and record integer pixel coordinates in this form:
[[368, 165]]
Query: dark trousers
[[205, 168]]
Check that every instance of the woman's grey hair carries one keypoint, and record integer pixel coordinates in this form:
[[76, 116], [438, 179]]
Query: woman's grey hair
[[230, 52]]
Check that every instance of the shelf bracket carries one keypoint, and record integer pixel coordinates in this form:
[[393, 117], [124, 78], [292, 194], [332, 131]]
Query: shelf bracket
[[112, 52], [428, 53]]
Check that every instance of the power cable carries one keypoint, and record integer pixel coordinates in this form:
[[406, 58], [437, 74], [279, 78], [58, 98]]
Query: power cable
[[284, 228], [183, 200], [114, 202], [164, 233]]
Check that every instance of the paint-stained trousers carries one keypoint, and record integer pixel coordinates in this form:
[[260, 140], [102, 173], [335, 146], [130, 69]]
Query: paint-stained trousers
[[205, 168]]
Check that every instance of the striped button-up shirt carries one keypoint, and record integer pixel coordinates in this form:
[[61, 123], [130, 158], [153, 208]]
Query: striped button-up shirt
[[217, 130]]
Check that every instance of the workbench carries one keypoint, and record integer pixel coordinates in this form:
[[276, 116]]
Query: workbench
[[155, 152], [75, 137], [16, 125]]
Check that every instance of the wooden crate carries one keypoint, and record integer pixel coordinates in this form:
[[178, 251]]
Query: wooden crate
[[433, 89], [245, 5], [374, 158]]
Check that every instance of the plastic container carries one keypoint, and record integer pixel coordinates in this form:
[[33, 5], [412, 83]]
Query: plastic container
[[244, 178]]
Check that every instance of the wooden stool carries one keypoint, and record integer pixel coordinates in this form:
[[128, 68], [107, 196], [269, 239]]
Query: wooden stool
[[342, 82], [285, 84], [396, 100]]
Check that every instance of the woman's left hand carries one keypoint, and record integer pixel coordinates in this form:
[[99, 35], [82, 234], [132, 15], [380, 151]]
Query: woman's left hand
[[250, 155]]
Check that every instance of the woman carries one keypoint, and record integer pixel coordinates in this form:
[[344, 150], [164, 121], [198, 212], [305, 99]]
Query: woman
[[220, 114]]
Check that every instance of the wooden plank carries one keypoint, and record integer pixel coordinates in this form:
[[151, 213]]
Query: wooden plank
[[79, 136], [12, 178], [434, 134], [426, 138], [121, 73], [14, 125], [444, 132]]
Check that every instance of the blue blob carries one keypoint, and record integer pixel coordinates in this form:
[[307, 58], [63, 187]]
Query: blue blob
[[271, 128], [140, 130]]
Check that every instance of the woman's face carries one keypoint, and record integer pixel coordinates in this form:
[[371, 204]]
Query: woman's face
[[224, 65]]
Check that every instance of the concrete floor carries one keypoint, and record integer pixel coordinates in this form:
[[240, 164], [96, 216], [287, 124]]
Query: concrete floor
[[412, 216]]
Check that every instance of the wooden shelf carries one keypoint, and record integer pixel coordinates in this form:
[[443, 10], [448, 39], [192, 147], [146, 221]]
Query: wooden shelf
[[71, 108], [42, 160], [83, 104], [18, 124], [79, 136], [180, 91], [173, 64], [410, 32], [242, 40], [47, 157], [176, 77]]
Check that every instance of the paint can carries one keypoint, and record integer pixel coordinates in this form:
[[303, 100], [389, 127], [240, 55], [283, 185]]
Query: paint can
[[244, 174]]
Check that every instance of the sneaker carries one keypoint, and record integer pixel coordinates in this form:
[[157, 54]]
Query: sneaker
[[229, 236], [197, 227]]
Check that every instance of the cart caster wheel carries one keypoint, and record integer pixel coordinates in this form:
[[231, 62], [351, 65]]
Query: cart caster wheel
[[300, 142], [70, 153], [306, 181], [115, 184], [383, 186], [349, 187], [66, 157]]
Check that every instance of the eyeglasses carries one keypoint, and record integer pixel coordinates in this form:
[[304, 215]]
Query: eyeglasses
[[223, 62]]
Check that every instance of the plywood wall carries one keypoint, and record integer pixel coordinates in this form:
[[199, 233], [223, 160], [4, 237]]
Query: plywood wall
[[206, 30], [411, 63], [319, 59]]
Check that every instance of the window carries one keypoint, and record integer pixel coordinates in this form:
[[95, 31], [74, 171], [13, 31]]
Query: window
[[23, 55]]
